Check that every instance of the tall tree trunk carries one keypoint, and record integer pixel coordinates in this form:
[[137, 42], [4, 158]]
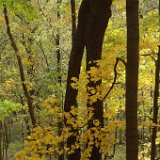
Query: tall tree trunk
[[92, 21], [21, 69], [1, 141], [155, 108], [155, 102], [58, 54], [73, 13], [132, 79], [74, 71], [6, 139], [98, 17]]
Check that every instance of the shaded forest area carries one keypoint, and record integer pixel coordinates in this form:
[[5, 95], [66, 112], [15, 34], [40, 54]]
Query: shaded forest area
[[79, 79]]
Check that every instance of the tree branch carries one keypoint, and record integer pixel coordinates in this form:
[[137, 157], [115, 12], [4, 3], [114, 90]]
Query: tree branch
[[115, 76], [21, 69]]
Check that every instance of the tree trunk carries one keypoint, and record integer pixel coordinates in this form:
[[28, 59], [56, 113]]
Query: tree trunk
[[92, 22], [155, 108], [74, 71], [6, 139], [132, 79], [155, 102], [98, 17], [1, 141], [21, 70], [73, 12], [58, 54]]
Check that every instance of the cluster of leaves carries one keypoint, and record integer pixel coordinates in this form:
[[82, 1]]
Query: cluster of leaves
[[7, 108], [23, 9], [50, 140]]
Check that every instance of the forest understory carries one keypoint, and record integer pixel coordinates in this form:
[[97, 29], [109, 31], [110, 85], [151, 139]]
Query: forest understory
[[79, 79]]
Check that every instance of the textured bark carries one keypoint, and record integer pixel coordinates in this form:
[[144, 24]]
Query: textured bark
[[6, 139], [21, 70], [155, 108], [73, 12], [74, 71], [132, 79], [58, 54], [92, 21], [1, 142], [98, 17]]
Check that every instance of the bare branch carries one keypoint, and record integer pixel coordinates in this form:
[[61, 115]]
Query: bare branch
[[115, 76]]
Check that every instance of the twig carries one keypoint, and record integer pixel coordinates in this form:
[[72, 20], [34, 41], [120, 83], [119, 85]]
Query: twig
[[115, 76]]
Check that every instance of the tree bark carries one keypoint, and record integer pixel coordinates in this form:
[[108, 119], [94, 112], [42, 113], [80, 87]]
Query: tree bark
[[73, 13], [58, 54], [74, 71], [21, 70], [132, 79], [98, 17], [92, 21], [155, 108], [1, 142]]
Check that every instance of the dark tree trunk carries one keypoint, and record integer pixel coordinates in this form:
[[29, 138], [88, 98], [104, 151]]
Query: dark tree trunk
[[58, 54], [74, 71], [1, 141], [21, 70], [6, 139], [73, 13], [92, 22], [98, 17], [155, 102], [132, 79], [155, 108]]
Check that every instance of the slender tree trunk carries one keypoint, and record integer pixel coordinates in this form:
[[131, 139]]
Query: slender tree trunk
[[74, 71], [6, 139], [58, 53], [155, 108], [73, 13], [21, 70], [132, 79], [98, 17], [1, 142], [60, 123]]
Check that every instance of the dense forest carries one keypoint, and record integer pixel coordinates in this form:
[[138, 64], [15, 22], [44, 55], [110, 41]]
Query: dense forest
[[79, 79]]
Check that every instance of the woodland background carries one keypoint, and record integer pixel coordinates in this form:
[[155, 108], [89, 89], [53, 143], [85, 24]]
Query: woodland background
[[79, 82]]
